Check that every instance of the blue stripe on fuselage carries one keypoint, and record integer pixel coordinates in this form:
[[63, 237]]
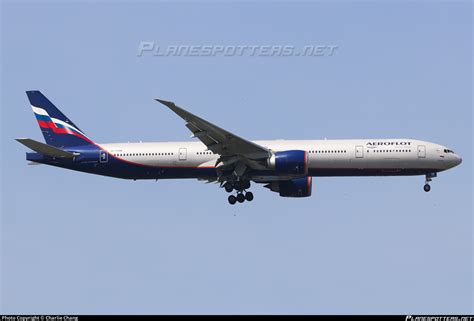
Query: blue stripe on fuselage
[[118, 168]]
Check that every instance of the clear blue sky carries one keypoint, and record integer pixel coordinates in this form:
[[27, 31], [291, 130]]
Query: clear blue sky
[[78, 243]]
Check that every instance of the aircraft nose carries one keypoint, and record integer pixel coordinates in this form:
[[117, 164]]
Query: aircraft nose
[[453, 161]]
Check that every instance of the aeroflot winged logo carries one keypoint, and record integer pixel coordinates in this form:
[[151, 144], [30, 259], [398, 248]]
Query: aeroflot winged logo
[[56, 125], [401, 143]]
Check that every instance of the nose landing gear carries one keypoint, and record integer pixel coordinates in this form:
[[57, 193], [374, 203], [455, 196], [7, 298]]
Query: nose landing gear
[[428, 179]]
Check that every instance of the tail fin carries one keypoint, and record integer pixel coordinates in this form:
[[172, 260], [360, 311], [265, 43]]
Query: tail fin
[[57, 129]]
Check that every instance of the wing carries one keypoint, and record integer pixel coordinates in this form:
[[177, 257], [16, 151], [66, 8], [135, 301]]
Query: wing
[[219, 140]]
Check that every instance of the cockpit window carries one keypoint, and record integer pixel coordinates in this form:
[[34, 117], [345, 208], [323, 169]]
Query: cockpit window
[[448, 151]]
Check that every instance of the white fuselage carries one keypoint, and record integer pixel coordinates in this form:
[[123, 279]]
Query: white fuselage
[[325, 157]]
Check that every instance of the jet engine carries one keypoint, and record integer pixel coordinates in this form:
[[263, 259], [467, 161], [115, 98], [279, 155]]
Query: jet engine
[[289, 162], [298, 187]]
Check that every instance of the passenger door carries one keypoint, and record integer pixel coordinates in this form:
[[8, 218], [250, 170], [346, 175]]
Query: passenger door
[[358, 160], [103, 156], [183, 154], [421, 151], [359, 151]]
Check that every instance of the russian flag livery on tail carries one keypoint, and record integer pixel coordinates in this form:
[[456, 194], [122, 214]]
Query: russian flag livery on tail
[[283, 166], [58, 130]]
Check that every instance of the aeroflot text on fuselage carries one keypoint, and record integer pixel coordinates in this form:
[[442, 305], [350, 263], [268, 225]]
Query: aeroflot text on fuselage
[[283, 166], [402, 143]]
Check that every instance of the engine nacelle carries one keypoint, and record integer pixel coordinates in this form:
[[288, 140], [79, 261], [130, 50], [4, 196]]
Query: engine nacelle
[[298, 187], [289, 162]]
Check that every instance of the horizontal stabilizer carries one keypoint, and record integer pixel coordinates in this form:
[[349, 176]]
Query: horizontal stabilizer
[[44, 148]]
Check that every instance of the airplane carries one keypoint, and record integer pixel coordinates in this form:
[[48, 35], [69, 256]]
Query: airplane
[[284, 166]]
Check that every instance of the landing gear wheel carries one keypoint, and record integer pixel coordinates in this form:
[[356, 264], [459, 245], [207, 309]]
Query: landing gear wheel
[[232, 199], [429, 178], [246, 185], [228, 187], [240, 198], [249, 196], [241, 185]]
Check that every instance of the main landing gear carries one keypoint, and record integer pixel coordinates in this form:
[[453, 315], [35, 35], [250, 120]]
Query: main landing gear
[[241, 197], [242, 194], [428, 179], [228, 187]]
